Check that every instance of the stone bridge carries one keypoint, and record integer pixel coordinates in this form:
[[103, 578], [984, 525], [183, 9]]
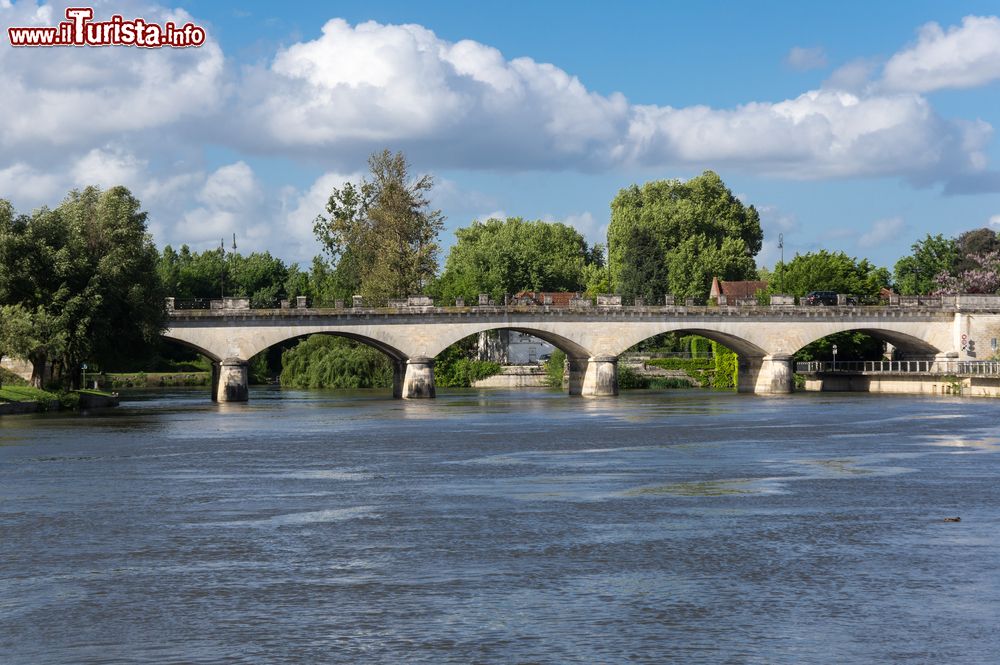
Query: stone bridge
[[764, 337]]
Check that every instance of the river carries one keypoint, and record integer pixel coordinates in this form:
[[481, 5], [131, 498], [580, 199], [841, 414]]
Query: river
[[503, 527]]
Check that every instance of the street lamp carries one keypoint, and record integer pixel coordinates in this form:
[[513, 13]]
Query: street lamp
[[222, 272], [83, 367], [781, 272], [834, 357]]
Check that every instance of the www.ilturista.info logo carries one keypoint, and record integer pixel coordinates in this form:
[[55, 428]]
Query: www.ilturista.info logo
[[79, 30]]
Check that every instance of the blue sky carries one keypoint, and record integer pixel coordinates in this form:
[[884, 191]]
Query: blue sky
[[851, 126]]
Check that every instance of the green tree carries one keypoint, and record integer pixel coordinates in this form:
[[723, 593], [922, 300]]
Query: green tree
[[977, 242], [831, 271], [35, 335], [645, 273], [501, 257], [325, 361], [931, 257], [698, 229], [258, 276], [186, 274], [86, 277], [383, 229]]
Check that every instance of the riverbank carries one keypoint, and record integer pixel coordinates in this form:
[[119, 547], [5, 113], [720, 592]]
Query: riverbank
[[119, 380], [16, 400]]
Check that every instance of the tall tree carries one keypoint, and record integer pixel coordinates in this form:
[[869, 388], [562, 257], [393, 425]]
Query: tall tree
[[383, 230], [931, 257], [698, 228], [506, 256], [975, 243], [84, 273]]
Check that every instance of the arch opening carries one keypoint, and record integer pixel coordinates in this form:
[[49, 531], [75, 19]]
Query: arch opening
[[686, 358], [334, 360], [866, 344], [569, 347]]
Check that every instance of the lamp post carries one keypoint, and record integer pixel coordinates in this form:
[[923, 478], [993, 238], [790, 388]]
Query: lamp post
[[83, 368], [834, 357], [222, 268], [222, 272], [781, 272]]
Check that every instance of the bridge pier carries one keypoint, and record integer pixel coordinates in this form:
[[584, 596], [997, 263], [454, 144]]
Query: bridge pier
[[418, 379], [230, 381], [593, 377], [770, 375]]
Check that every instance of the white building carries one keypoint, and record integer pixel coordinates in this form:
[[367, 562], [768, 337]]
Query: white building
[[510, 347]]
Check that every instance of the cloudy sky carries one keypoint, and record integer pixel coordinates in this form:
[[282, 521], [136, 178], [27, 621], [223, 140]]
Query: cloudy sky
[[854, 126]]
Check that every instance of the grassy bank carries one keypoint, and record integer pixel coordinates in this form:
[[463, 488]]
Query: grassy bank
[[119, 380], [25, 399], [26, 394]]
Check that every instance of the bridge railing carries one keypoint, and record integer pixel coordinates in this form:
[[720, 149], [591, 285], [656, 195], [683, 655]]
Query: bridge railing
[[189, 303], [607, 302], [963, 367]]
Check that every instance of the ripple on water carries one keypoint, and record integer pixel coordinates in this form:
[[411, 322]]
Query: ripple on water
[[301, 518], [729, 487]]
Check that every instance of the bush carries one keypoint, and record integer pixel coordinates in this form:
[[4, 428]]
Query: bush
[[686, 364], [628, 379], [555, 368], [662, 383], [69, 401], [462, 372], [726, 367]]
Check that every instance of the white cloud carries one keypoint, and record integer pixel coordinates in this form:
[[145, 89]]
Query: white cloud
[[964, 56], [108, 167], [774, 222], [401, 84], [820, 134], [883, 231], [75, 96], [32, 186], [854, 76], [494, 214], [299, 211], [72, 117], [995, 221], [806, 58], [590, 228], [463, 104], [232, 202]]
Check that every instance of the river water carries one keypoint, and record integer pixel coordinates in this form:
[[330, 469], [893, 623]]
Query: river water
[[503, 527]]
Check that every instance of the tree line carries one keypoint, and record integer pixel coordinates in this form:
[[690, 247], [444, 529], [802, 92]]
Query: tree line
[[83, 282]]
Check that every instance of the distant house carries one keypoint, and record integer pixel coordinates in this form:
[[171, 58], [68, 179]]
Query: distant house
[[733, 291], [512, 347]]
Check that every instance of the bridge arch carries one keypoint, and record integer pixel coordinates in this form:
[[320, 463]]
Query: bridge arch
[[909, 343], [572, 348], [186, 343], [741, 345]]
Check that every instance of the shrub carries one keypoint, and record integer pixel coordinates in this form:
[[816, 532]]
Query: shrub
[[555, 368]]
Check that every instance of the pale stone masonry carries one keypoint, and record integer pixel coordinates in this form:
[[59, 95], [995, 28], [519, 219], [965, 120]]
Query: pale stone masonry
[[765, 338]]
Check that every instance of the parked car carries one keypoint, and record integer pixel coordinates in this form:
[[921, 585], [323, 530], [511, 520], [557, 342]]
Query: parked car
[[821, 298]]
